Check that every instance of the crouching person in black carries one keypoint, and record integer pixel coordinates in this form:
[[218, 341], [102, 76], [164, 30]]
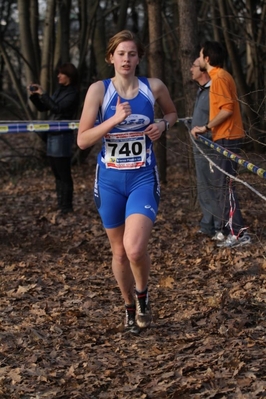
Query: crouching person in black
[[62, 105]]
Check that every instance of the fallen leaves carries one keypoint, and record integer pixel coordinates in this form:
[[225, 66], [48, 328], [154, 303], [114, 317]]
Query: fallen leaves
[[62, 315]]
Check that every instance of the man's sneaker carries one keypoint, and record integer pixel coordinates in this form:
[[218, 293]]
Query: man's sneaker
[[233, 241], [130, 321], [219, 236], [203, 233], [143, 309]]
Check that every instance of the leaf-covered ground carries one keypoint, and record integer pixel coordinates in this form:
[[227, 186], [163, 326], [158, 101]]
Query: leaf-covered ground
[[61, 320]]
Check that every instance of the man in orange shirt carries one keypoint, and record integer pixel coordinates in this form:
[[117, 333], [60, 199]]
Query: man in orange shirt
[[227, 130]]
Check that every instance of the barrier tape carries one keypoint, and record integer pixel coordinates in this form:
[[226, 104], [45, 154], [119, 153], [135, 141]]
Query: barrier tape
[[46, 126], [229, 154], [37, 126]]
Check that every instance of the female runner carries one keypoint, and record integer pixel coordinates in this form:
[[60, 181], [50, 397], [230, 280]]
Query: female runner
[[126, 189]]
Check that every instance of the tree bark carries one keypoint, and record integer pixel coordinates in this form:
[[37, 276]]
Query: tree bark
[[62, 46], [238, 74], [48, 47], [14, 80], [155, 61], [188, 52], [99, 46], [26, 40], [122, 18], [87, 20], [34, 25]]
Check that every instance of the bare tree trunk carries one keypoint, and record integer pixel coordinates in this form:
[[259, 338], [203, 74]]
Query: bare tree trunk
[[99, 46], [255, 56], [215, 26], [61, 53], [188, 48], [155, 59], [24, 6], [87, 15], [14, 80], [34, 24], [262, 42], [47, 50], [122, 19], [188, 52], [238, 73]]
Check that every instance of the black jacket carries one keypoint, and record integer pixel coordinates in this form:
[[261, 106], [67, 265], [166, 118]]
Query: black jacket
[[63, 104]]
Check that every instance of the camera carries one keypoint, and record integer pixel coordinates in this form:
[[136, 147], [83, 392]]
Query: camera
[[33, 88]]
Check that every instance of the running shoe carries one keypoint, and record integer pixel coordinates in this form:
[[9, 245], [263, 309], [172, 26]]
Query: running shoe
[[143, 309], [203, 233], [219, 236], [233, 241], [130, 321]]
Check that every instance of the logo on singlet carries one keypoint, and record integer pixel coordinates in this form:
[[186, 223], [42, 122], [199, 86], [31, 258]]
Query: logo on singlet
[[134, 121]]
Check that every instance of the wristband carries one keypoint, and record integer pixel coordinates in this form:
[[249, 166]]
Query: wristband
[[167, 125]]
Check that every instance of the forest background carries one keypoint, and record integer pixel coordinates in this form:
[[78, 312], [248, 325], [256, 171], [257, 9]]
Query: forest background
[[37, 36], [61, 314]]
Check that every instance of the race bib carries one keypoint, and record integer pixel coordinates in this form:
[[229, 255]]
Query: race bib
[[125, 150]]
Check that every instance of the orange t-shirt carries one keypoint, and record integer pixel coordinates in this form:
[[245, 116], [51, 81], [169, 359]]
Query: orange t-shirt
[[223, 95]]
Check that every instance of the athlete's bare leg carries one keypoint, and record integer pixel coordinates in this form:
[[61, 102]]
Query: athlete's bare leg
[[131, 261]]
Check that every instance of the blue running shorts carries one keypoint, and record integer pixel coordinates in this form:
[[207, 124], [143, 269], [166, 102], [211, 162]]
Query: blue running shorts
[[119, 194]]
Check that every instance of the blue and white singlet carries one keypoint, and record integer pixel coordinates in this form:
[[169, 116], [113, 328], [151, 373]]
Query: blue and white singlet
[[126, 177], [126, 147]]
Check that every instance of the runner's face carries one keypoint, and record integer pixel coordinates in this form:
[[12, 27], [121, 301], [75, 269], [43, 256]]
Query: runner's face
[[125, 57]]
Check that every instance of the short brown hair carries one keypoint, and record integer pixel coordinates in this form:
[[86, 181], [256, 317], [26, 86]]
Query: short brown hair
[[123, 36], [69, 70], [215, 52]]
